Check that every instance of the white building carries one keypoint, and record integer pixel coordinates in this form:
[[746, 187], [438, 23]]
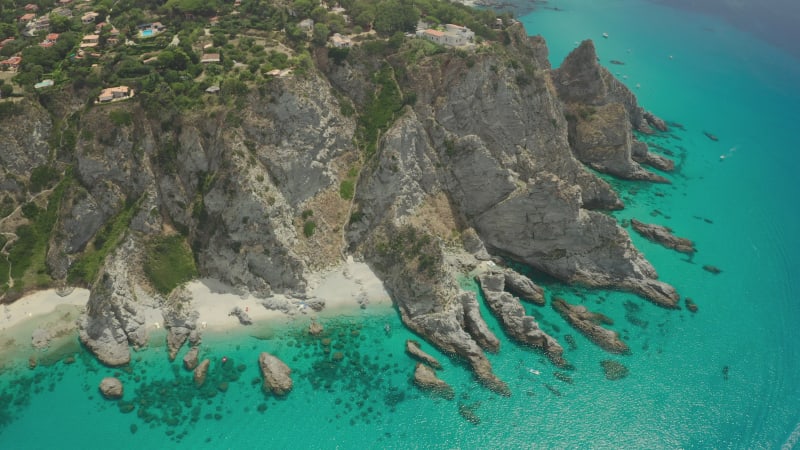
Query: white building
[[452, 35]]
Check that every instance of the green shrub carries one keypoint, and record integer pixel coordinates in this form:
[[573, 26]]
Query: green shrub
[[309, 227], [85, 269], [169, 263], [43, 177], [120, 117], [347, 189]]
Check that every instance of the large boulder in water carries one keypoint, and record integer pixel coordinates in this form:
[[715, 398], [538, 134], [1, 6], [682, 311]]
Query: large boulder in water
[[190, 360], [425, 378], [277, 375], [111, 388]]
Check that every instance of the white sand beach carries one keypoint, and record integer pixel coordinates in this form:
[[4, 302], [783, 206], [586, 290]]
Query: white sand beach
[[340, 288], [39, 304]]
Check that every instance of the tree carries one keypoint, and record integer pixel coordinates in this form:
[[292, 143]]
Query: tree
[[321, 32], [6, 90], [395, 16]]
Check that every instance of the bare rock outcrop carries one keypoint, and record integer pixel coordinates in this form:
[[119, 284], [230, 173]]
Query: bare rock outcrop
[[413, 349], [663, 235], [544, 226], [602, 114], [588, 323], [521, 286], [425, 378], [180, 320], [512, 315], [277, 375], [111, 388], [114, 317]]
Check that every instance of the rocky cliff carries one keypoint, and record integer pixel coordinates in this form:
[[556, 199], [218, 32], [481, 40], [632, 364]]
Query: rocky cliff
[[269, 186]]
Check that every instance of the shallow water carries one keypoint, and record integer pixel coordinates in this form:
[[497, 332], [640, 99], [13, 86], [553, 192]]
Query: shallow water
[[741, 213]]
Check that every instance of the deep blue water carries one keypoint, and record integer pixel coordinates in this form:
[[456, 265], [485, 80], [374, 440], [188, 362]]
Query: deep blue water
[[741, 212]]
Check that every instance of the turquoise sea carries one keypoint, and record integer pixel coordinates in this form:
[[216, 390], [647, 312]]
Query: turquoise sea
[[725, 377]]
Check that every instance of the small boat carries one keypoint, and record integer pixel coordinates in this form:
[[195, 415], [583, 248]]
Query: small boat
[[605, 35], [534, 371]]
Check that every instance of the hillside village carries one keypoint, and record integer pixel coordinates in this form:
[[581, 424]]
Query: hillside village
[[194, 48]]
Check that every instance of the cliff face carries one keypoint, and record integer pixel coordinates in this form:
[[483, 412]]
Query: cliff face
[[488, 151]]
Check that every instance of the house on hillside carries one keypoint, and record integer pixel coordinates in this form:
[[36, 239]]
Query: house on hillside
[[113, 37], [114, 94], [25, 18], [31, 7], [339, 41], [11, 64], [89, 17], [210, 58], [451, 36], [90, 40], [49, 40], [151, 29], [306, 25]]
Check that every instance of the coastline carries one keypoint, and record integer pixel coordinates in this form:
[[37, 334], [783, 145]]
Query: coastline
[[347, 289]]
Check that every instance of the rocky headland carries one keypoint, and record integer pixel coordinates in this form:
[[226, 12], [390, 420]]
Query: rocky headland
[[485, 155]]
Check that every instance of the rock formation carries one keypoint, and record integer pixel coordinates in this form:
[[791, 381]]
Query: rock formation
[[588, 323], [114, 316], [663, 235], [413, 349], [240, 314], [180, 320], [425, 378], [475, 325], [602, 113], [315, 328], [190, 359], [511, 314], [521, 286], [277, 375], [200, 372], [111, 388]]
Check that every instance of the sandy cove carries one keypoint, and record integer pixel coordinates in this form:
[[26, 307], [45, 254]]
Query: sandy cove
[[342, 288]]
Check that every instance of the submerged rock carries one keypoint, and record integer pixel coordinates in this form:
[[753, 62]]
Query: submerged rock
[[111, 388], [413, 349], [277, 375], [468, 412], [663, 235], [712, 269], [690, 305], [588, 323], [512, 316], [614, 370], [425, 378]]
